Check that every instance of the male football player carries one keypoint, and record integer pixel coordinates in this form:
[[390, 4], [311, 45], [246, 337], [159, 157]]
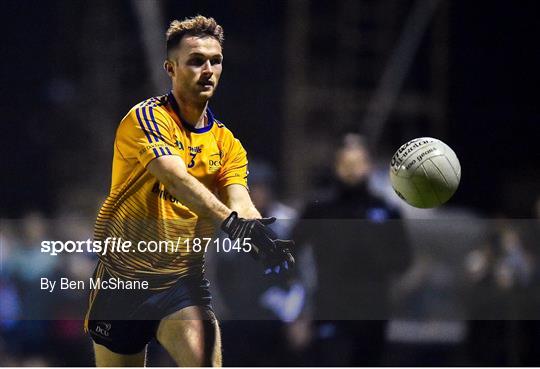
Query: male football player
[[178, 174]]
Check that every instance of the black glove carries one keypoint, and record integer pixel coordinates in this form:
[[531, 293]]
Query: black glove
[[273, 253]]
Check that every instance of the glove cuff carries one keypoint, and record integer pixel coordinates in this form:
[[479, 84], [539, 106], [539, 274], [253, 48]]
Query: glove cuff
[[229, 222]]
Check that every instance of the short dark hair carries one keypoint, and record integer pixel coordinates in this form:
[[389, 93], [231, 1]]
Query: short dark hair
[[194, 26]]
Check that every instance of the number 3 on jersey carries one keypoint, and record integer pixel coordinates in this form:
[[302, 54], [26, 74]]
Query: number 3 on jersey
[[192, 162]]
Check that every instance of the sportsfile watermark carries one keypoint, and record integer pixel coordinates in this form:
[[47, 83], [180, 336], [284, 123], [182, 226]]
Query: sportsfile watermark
[[114, 244], [461, 269]]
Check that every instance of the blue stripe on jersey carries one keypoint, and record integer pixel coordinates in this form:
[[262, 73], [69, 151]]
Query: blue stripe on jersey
[[147, 121], [142, 126], [155, 124], [156, 153], [162, 151], [168, 151]]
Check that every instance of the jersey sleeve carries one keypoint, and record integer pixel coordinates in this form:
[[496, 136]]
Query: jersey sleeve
[[234, 165], [146, 134]]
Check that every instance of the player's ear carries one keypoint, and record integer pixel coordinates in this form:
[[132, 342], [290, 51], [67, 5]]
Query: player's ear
[[169, 67]]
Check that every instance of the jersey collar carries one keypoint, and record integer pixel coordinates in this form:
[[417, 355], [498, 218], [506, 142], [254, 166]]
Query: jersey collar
[[187, 126]]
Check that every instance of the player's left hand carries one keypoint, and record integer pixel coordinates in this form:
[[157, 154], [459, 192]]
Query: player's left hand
[[273, 253]]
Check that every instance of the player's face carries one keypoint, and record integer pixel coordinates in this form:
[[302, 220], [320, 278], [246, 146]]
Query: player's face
[[196, 69]]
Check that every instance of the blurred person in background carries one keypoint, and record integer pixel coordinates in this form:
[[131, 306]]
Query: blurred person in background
[[358, 246], [500, 276], [49, 331], [29, 337], [262, 184]]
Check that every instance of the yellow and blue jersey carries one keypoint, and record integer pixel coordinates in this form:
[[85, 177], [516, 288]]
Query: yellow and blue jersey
[[139, 207]]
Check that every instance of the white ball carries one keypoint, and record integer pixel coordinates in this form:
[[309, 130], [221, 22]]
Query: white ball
[[425, 172]]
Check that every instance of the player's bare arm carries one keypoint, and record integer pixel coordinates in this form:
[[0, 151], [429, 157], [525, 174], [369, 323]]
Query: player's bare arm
[[172, 172], [237, 198]]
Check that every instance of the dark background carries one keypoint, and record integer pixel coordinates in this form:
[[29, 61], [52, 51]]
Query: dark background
[[72, 69], [50, 136]]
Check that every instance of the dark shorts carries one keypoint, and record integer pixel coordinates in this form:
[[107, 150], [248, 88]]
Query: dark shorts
[[124, 321]]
